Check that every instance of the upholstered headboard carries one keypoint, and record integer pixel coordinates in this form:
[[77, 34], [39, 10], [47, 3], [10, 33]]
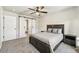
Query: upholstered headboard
[[56, 26]]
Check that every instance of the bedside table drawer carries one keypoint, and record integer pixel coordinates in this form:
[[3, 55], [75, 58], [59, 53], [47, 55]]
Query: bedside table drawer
[[70, 42], [70, 37]]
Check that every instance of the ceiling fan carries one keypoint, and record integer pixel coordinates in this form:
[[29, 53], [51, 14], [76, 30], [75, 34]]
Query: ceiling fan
[[38, 10]]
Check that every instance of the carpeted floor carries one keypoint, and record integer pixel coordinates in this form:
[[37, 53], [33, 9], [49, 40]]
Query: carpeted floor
[[17, 46], [23, 46], [65, 48]]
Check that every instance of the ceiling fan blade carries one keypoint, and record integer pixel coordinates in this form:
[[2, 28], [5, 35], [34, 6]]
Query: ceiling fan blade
[[31, 9], [43, 11], [42, 7]]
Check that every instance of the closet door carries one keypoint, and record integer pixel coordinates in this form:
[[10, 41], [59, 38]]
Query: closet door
[[33, 26], [23, 27], [9, 27]]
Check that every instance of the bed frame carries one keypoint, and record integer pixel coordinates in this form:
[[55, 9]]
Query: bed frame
[[43, 47]]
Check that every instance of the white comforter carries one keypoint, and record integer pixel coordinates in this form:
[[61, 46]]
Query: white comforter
[[49, 38]]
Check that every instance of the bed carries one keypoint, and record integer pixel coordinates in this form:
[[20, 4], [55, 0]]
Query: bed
[[44, 41]]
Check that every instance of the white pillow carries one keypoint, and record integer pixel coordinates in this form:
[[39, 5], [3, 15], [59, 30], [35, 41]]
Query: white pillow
[[59, 31], [49, 29], [55, 30]]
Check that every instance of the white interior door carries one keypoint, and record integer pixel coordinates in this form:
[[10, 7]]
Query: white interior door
[[33, 26], [23, 27], [9, 27]]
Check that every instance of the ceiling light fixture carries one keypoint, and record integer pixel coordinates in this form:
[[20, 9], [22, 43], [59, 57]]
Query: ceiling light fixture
[[37, 13]]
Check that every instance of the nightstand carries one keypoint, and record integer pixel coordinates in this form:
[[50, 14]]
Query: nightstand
[[70, 40]]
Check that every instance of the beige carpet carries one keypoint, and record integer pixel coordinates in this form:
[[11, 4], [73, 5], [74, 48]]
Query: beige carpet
[[65, 48], [23, 46], [17, 46]]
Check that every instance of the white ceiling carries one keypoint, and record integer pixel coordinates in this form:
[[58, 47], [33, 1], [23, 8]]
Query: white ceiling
[[26, 11], [17, 9]]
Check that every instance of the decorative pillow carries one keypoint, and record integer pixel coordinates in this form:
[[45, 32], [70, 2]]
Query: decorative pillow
[[55, 30], [49, 29], [60, 31]]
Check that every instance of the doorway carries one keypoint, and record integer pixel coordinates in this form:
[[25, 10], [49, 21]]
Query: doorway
[[23, 28], [32, 26]]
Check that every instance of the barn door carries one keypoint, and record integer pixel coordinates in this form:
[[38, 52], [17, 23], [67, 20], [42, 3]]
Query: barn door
[[9, 27]]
